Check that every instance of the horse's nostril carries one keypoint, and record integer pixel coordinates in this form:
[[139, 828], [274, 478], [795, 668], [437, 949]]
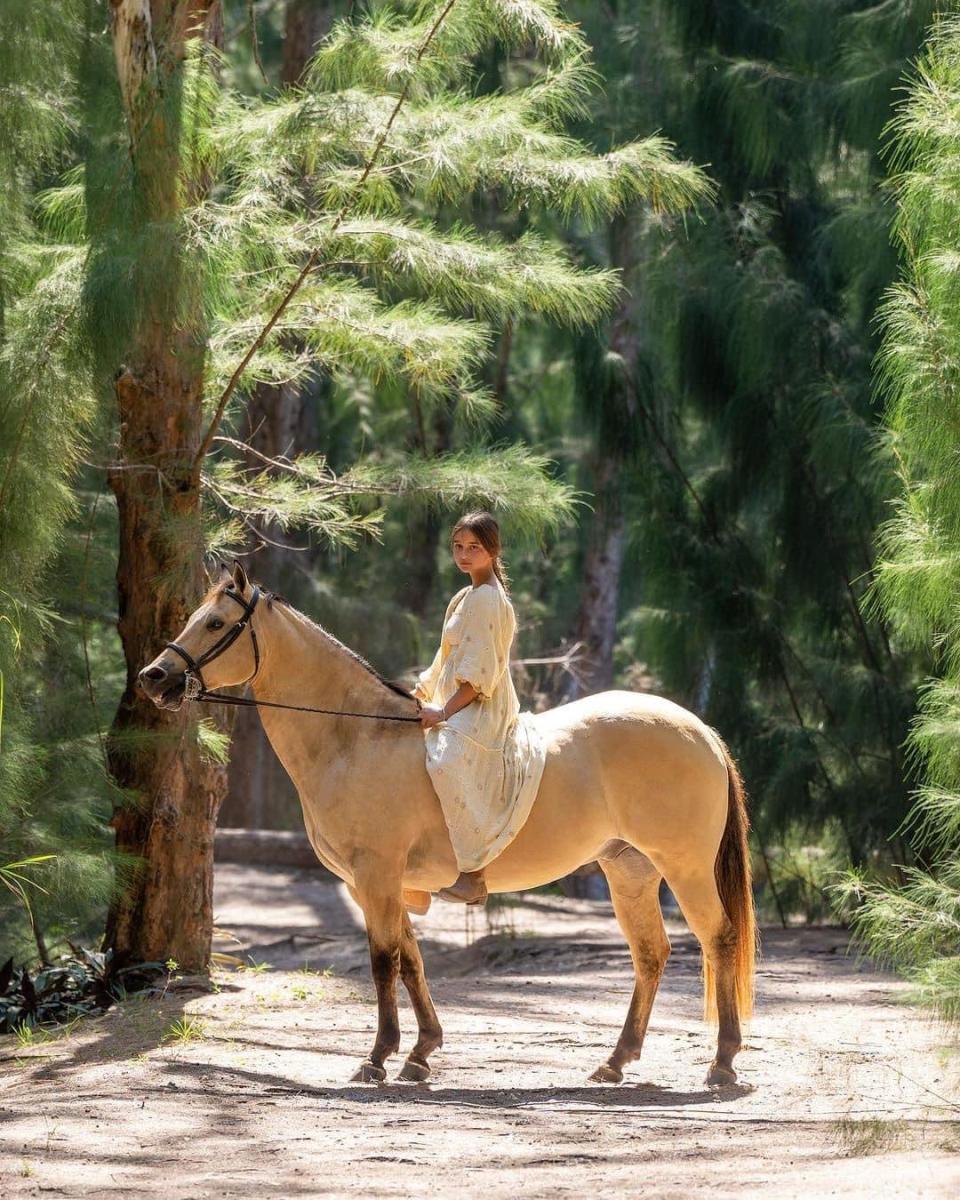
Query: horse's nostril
[[155, 674]]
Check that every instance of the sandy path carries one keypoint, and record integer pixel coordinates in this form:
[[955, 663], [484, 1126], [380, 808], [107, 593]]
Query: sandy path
[[843, 1091]]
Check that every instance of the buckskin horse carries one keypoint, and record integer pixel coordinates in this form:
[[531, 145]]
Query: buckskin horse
[[631, 780]]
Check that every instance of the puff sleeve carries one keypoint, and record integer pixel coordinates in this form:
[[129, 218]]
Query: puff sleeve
[[480, 656]]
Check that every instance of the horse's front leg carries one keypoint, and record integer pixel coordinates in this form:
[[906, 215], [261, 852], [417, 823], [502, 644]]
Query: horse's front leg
[[379, 894], [416, 1068]]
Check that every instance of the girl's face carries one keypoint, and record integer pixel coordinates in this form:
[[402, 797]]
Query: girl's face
[[468, 552]]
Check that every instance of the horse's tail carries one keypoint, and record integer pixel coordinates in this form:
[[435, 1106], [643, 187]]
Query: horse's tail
[[733, 876]]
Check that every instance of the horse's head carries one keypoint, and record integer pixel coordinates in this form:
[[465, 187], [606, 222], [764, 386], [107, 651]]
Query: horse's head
[[216, 648]]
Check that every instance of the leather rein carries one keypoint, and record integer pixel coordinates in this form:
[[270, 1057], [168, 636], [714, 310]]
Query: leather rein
[[196, 689]]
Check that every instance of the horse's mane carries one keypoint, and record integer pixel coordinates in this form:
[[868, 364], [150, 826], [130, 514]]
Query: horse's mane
[[275, 598]]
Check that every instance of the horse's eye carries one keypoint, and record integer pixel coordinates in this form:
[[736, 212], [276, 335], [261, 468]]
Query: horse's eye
[[216, 623]]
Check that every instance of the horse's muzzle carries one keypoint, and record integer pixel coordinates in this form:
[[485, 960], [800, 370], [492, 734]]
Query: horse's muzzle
[[165, 688]]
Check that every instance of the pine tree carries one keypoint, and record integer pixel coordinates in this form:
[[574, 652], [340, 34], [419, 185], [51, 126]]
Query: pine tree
[[917, 926], [761, 484], [222, 241], [53, 788]]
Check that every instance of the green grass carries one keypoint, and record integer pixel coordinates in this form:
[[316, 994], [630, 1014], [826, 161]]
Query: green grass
[[184, 1031]]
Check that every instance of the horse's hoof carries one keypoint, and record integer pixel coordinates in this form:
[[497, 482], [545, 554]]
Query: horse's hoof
[[368, 1073], [606, 1074], [719, 1076], [414, 1072]]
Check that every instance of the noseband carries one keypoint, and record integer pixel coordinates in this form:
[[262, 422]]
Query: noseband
[[195, 687]]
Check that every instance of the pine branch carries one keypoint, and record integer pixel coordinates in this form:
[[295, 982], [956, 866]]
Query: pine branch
[[313, 258]]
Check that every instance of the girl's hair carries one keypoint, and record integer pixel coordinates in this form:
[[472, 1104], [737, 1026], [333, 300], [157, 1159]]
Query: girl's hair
[[487, 532]]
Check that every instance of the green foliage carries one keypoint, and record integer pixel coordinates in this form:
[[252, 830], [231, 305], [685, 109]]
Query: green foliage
[[758, 474], [369, 172], [51, 772], [916, 926], [363, 169], [799, 870]]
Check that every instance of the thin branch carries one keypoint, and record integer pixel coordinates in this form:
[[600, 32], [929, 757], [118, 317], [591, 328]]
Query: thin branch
[[313, 257], [252, 17], [254, 529]]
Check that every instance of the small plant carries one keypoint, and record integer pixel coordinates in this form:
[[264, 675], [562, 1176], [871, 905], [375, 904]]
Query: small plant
[[255, 968], [299, 991], [184, 1031], [78, 984], [28, 1035], [313, 973]]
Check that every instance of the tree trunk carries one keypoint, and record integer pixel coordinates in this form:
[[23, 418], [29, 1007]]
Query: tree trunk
[[600, 592], [305, 23], [616, 436], [166, 826], [417, 582]]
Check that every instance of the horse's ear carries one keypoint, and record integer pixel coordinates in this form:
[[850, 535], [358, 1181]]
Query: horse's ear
[[213, 568], [239, 577]]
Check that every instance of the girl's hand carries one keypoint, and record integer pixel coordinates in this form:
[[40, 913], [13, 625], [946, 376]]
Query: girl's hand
[[430, 715]]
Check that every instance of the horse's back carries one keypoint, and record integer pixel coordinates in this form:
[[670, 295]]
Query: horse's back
[[623, 711]]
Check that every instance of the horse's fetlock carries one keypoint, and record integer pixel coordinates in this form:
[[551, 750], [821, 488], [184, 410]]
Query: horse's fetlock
[[431, 1038], [386, 1045]]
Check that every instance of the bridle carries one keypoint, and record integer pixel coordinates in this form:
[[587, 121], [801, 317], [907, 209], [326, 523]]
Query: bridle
[[195, 687]]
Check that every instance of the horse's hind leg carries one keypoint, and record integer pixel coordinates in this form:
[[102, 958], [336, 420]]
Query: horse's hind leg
[[430, 1038], [704, 912], [635, 891]]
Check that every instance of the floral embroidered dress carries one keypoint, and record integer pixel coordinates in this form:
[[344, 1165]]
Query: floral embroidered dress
[[486, 760]]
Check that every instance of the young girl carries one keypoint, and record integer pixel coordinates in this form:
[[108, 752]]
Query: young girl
[[484, 756]]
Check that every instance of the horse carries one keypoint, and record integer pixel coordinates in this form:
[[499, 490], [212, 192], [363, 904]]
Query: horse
[[631, 780]]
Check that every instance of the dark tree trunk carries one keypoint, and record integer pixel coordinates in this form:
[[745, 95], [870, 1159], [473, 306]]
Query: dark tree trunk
[[600, 591], [305, 23], [166, 827], [425, 527], [614, 400]]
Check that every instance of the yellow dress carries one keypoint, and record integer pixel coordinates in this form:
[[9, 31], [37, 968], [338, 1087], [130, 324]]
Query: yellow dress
[[486, 761]]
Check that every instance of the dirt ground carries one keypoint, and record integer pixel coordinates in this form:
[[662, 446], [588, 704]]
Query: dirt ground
[[246, 1092]]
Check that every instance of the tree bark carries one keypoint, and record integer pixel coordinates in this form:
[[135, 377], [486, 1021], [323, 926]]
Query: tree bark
[[600, 593], [165, 827], [305, 23], [596, 623], [417, 583]]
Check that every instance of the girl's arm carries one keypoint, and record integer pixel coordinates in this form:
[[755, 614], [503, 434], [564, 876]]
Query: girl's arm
[[432, 715], [465, 694]]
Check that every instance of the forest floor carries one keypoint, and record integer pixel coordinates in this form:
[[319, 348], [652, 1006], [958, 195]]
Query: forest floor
[[246, 1092]]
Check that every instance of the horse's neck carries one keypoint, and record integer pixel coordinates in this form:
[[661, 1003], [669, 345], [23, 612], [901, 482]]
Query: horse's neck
[[304, 666]]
